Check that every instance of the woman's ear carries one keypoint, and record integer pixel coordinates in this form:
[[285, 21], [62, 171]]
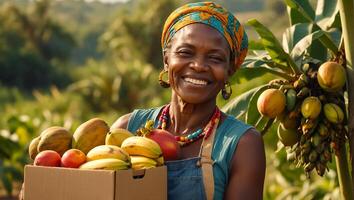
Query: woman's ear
[[165, 61], [231, 70]]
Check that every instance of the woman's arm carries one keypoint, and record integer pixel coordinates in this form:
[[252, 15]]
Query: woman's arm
[[248, 168], [122, 122]]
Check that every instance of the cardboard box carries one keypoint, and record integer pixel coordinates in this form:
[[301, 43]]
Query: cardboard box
[[54, 183]]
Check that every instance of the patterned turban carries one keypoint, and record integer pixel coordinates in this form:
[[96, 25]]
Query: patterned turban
[[213, 15]]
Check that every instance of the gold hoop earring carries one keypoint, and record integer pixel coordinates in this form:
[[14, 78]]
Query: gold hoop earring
[[164, 84], [226, 94]]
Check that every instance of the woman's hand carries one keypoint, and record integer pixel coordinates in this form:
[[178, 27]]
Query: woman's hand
[[248, 168], [22, 191]]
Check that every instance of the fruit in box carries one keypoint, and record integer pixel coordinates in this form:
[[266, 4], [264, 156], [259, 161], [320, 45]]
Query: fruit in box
[[141, 162], [116, 136], [73, 158], [105, 163], [141, 146], [32, 148], [47, 158], [55, 138], [90, 134], [108, 151], [170, 148]]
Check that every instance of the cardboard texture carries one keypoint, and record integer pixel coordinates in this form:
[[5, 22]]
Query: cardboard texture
[[54, 183]]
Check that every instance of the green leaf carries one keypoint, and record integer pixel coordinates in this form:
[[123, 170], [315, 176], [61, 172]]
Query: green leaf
[[238, 106], [252, 115], [294, 34], [6, 180], [301, 11], [15, 173], [7, 147], [326, 13], [255, 45], [295, 17], [307, 41], [273, 47]]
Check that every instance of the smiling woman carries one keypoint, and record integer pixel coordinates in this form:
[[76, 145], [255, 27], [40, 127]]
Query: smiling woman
[[221, 158], [196, 66]]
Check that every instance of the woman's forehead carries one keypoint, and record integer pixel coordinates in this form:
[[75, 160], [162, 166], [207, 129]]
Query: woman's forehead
[[198, 32]]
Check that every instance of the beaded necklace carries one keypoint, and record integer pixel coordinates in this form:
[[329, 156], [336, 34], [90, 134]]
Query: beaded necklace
[[187, 139]]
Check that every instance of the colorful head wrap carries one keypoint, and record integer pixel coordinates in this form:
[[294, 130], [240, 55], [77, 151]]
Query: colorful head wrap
[[213, 15]]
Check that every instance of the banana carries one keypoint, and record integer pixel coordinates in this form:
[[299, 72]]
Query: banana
[[160, 161], [106, 163], [290, 99], [142, 162], [108, 151], [333, 113], [142, 146], [116, 136]]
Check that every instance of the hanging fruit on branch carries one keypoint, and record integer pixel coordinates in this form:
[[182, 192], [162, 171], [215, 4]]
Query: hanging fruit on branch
[[309, 109]]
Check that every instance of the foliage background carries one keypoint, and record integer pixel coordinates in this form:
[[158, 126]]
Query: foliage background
[[64, 62]]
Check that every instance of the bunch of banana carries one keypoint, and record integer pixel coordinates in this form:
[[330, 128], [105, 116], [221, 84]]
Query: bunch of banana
[[312, 125], [142, 162], [107, 157], [144, 152], [116, 136]]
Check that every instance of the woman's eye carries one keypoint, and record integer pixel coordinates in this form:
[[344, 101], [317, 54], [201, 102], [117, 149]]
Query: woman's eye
[[216, 58], [184, 53]]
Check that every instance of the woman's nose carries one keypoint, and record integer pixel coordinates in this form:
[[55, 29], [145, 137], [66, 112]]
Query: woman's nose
[[199, 64]]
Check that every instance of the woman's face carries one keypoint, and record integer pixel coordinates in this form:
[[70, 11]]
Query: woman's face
[[198, 62]]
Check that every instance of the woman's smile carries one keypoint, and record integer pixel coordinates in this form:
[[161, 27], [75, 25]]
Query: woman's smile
[[195, 81]]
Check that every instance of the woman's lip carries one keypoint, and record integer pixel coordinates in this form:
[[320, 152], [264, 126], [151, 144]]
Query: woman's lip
[[196, 81], [196, 78]]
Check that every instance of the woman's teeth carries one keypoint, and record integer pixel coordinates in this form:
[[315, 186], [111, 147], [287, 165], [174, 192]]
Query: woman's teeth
[[196, 81]]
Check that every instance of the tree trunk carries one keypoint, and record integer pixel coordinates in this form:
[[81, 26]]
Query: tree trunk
[[347, 19]]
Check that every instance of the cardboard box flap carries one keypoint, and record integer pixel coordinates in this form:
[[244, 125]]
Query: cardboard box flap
[[141, 184], [69, 184]]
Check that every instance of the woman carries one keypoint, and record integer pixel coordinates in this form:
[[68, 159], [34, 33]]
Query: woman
[[203, 45]]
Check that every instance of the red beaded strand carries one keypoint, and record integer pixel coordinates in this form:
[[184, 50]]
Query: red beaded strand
[[184, 140]]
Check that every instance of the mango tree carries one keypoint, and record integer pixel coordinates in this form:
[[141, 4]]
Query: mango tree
[[310, 100]]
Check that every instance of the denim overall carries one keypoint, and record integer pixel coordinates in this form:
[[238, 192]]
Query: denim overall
[[185, 180], [185, 177]]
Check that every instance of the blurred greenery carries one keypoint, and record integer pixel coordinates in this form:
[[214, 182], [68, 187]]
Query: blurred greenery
[[64, 62]]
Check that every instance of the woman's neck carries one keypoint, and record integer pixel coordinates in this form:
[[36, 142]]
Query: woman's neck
[[186, 118]]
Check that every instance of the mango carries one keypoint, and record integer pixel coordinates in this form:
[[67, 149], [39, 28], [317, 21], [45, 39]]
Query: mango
[[311, 107], [90, 134], [288, 137], [271, 103], [55, 138], [331, 76], [32, 148]]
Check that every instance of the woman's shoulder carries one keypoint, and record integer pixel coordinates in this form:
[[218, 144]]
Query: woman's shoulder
[[233, 127], [139, 117]]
